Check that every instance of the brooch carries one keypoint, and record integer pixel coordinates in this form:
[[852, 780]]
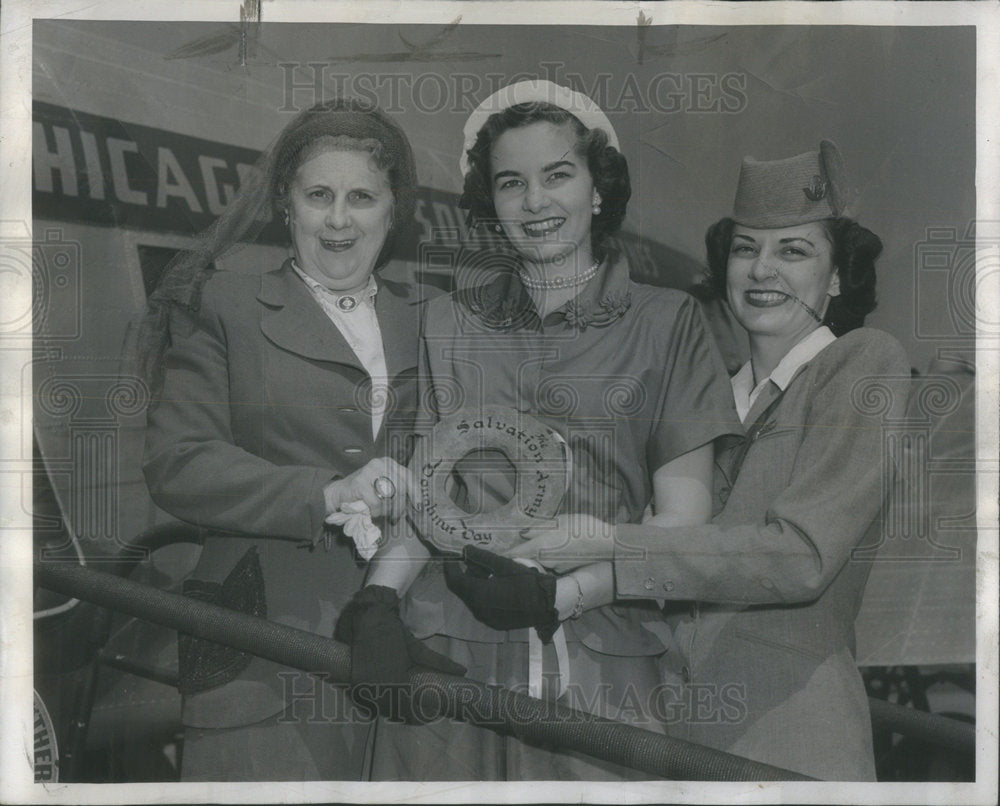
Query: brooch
[[605, 312]]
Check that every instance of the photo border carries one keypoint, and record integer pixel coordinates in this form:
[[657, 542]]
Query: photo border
[[16, 550]]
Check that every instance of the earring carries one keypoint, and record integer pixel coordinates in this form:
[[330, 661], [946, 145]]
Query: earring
[[596, 203], [497, 228], [597, 209]]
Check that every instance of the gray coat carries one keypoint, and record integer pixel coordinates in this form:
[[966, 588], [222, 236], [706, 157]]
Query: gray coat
[[262, 406], [762, 600]]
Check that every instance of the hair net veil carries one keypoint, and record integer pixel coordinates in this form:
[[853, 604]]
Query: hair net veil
[[260, 195]]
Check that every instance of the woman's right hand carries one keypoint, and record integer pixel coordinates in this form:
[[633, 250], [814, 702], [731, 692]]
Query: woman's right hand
[[360, 486], [384, 652]]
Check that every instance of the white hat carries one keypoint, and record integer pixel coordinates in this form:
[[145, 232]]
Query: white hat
[[579, 105]]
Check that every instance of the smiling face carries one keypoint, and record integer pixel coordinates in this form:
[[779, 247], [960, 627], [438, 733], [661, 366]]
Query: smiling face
[[772, 274], [339, 213], [543, 194]]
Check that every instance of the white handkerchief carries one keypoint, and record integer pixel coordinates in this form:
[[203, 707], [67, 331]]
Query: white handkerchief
[[356, 519]]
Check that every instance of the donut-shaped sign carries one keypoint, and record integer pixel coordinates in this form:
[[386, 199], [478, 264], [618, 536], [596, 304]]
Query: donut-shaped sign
[[539, 455]]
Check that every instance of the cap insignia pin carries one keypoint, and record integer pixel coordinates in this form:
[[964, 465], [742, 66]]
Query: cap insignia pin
[[818, 189]]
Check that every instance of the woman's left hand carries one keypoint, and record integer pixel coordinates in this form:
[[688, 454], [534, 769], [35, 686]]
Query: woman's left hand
[[567, 542]]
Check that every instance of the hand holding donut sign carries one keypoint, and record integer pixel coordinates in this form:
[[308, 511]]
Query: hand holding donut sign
[[383, 485], [505, 594], [538, 453]]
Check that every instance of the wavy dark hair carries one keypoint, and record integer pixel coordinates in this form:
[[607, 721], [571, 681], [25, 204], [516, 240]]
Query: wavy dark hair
[[607, 166], [855, 250]]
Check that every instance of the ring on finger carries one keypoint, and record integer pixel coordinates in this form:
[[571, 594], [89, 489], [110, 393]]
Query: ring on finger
[[384, 488]]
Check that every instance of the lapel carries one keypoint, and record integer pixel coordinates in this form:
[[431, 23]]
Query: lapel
[[768, 395], [294, 321], [759, 421], [730, 459], [399, 321]]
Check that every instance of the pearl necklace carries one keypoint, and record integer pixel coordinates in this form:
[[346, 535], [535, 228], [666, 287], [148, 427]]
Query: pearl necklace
[[560, 282]]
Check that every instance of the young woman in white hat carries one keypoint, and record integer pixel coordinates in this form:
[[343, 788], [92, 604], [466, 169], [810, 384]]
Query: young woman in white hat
[[626, 374]]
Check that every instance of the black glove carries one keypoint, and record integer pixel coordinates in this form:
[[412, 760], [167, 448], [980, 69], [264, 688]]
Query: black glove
[[504, 594], [383, 651]]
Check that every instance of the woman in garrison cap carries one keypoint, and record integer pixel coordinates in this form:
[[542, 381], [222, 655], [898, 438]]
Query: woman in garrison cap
[[762, 600]]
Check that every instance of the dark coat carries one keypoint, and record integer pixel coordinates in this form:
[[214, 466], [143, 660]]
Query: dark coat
[[263, 404]]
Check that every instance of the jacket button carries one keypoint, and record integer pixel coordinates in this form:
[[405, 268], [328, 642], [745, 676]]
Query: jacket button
[[668, 586], [686, 674], [648, 583]]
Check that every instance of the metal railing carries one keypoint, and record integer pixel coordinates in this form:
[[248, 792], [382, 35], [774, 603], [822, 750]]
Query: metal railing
[[446, 696]]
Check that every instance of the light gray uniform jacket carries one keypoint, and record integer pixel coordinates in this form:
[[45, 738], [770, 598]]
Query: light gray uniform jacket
[[764, 598]]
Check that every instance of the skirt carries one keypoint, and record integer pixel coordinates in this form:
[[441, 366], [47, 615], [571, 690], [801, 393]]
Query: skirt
[[611, 686]]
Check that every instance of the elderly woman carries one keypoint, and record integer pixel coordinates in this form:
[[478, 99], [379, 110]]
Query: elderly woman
[[626, 374], [762, 601], [284, 402]]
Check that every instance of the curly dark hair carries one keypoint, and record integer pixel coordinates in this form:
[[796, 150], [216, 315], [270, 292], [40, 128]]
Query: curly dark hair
[[607, 166], [855, 250]]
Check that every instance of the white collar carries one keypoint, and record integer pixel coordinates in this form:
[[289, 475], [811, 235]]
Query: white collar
[[800, 354], [744, 393], [318, 288]]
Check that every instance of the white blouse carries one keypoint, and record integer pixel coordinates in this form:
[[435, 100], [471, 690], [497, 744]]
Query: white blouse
[[359, 327]]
